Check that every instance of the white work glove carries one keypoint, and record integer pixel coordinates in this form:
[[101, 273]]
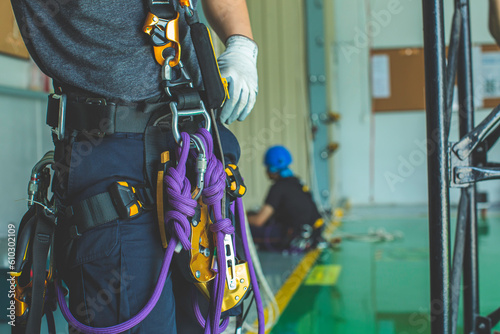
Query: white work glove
[[238, 64]]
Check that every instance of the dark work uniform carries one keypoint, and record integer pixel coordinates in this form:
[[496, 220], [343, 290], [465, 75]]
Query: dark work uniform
[[293, 207], [96, 48]]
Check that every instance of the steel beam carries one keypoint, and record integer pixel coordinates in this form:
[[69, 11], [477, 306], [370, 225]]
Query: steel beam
[[437, 165], [466, 125]]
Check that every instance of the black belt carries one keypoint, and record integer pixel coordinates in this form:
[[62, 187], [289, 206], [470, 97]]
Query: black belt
[[98, 116]]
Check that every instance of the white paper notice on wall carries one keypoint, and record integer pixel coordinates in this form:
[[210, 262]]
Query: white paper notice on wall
[[490, 69], [381, 76]]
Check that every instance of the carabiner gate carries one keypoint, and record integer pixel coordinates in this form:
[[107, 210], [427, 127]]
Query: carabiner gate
[[201, 165]]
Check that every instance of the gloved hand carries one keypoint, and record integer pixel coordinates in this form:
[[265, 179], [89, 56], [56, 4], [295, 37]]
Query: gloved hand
[[238, 64]]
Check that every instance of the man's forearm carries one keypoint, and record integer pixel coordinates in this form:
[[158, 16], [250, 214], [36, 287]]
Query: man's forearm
[[228, 17]]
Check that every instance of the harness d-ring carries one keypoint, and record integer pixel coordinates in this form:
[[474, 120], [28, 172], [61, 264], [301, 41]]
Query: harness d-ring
[[176, 114]]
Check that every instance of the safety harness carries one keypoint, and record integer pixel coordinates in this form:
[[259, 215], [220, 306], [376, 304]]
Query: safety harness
[[193, 223]]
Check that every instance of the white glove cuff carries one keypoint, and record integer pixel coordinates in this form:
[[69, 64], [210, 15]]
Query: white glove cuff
[[244, 46]]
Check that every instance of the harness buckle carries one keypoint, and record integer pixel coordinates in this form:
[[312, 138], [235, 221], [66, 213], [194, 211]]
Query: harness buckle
[[61, 128], [235, 186], [125, 199]]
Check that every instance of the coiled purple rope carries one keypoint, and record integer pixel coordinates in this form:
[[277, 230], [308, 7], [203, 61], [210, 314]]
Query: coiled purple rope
[[215, 185], [178, 189], [183, 206], [201, 320], [212, 195], [180, 197]]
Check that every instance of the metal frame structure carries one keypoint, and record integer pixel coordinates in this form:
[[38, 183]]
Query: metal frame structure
[[454, 165]]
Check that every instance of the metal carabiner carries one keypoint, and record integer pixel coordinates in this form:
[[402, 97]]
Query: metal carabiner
[[166, 73], [201, 165], [176, 114], [36, 180]]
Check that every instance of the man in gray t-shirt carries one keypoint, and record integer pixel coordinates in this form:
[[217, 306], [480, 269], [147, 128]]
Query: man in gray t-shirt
[[98, 46], [97, 49]]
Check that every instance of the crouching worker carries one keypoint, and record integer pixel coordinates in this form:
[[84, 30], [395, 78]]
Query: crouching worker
[[289, 218]]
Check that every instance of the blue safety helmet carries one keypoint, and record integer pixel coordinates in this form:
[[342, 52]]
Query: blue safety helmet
[[277, 159]]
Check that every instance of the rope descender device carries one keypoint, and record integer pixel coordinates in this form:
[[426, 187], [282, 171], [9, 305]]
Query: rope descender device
[[164, 34]]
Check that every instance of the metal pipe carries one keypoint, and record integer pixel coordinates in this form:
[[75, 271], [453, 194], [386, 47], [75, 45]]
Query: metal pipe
[[451, 68], [471, 269], [492, 138], [469, 142], [466, 125], [437, 165], [458, 257]]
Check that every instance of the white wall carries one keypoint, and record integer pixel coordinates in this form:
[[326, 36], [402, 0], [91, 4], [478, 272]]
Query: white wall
[[24, 138], [380, 160]]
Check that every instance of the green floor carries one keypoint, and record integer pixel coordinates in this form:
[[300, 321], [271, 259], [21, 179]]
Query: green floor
[[383, 288]]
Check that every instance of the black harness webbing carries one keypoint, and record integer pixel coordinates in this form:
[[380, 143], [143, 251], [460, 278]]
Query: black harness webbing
[[98, 116], [90, 213], [215, 91], [105, 207], [42, 241]]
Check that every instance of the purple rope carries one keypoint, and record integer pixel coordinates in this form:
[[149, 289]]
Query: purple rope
[[183, 206], [212, 195], [199, 316], [215, 185], [179, 196], [253, 277]]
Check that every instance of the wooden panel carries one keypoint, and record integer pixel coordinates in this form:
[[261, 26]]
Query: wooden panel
[[11, 42], [490, 102], [407, 80]]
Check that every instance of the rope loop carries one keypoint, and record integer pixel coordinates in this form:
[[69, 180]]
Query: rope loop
[[181, 204], [224, 226]]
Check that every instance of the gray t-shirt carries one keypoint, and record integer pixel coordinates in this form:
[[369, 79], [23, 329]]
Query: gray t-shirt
[[98, 45]]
